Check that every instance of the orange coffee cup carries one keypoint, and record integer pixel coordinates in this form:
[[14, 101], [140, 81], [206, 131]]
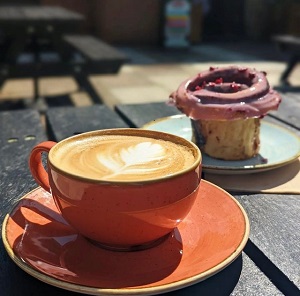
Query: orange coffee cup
[[123, 189]]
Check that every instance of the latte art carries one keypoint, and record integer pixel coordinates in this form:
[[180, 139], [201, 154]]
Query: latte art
[[133, 159], [124, 158]]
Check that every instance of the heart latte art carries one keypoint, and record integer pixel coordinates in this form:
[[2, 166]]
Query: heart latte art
[[123, 158]]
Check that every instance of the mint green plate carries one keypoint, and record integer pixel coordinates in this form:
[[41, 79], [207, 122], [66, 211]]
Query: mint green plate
[[279, 146]]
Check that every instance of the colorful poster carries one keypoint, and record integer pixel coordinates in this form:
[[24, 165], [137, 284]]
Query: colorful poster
[[177, 23]]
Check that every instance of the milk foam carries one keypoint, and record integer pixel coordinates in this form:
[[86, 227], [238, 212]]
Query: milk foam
[[123, 158]]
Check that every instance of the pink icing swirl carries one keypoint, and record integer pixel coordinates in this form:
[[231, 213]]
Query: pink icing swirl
[[226, 93]]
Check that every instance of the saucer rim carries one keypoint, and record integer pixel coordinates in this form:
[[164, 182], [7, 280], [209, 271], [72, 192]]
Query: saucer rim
[[238, 169], [153, 290]]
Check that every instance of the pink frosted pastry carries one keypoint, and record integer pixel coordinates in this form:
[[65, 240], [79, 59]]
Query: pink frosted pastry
[[226, 105]]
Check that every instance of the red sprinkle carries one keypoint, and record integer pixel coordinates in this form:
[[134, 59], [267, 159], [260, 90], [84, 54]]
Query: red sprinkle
[[219, 80], [212, 68], [198, 87]]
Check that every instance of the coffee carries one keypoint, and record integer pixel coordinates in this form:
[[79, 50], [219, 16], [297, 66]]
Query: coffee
[[121, 157]]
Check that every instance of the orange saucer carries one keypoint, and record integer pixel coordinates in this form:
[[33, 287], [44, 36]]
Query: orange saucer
[[42, 243]]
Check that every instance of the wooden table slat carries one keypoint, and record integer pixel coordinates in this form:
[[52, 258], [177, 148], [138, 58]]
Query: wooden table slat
[[136, 115], [289, 110], [20, 132], [64, 122], [275, 230]]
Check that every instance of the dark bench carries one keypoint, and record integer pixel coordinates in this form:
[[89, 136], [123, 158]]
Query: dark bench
[[291, 45], [98, 54]]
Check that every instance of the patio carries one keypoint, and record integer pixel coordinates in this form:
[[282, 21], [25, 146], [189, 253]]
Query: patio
[[152, 72]]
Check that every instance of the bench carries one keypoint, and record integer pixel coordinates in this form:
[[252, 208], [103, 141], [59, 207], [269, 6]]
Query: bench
[[98, 57], [97, 53], [291, 45]]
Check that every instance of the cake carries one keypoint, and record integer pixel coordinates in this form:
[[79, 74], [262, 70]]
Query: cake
[[226, 105]]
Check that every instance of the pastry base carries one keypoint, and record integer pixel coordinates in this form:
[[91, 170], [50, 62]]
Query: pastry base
[[228, 139]]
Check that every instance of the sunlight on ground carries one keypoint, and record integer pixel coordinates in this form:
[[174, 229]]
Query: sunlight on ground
[[133, 84]]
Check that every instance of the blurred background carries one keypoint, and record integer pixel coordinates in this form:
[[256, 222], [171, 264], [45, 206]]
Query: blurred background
[[164, 42], [133, 22]]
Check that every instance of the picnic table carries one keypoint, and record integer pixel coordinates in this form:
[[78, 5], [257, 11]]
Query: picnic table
[[270, 261], [40, 40]]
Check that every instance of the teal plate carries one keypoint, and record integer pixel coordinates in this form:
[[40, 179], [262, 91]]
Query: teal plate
[[279, 146]]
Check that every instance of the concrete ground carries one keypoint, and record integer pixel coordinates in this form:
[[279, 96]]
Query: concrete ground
[[152, 74]]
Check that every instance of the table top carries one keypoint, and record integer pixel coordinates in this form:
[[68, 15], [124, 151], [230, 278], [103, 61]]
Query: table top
[[20, 13], [41, 40], [270, 262]]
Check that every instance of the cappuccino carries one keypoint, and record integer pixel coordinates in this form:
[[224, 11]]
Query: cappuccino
[[121, 157]]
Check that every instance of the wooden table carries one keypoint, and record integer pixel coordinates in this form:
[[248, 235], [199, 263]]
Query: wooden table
[[20, 23], [270, 262], [40, 29], [27, 26]]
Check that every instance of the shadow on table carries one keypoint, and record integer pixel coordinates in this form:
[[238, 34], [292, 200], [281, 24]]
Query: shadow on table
[[8, 105], [41, 104], [287, 88], [221, 284], [14, 280]]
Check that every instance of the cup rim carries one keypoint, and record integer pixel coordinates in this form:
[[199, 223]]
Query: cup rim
[[133, 132]]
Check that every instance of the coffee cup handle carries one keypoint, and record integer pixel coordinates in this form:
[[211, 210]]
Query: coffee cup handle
[[36, 165]]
